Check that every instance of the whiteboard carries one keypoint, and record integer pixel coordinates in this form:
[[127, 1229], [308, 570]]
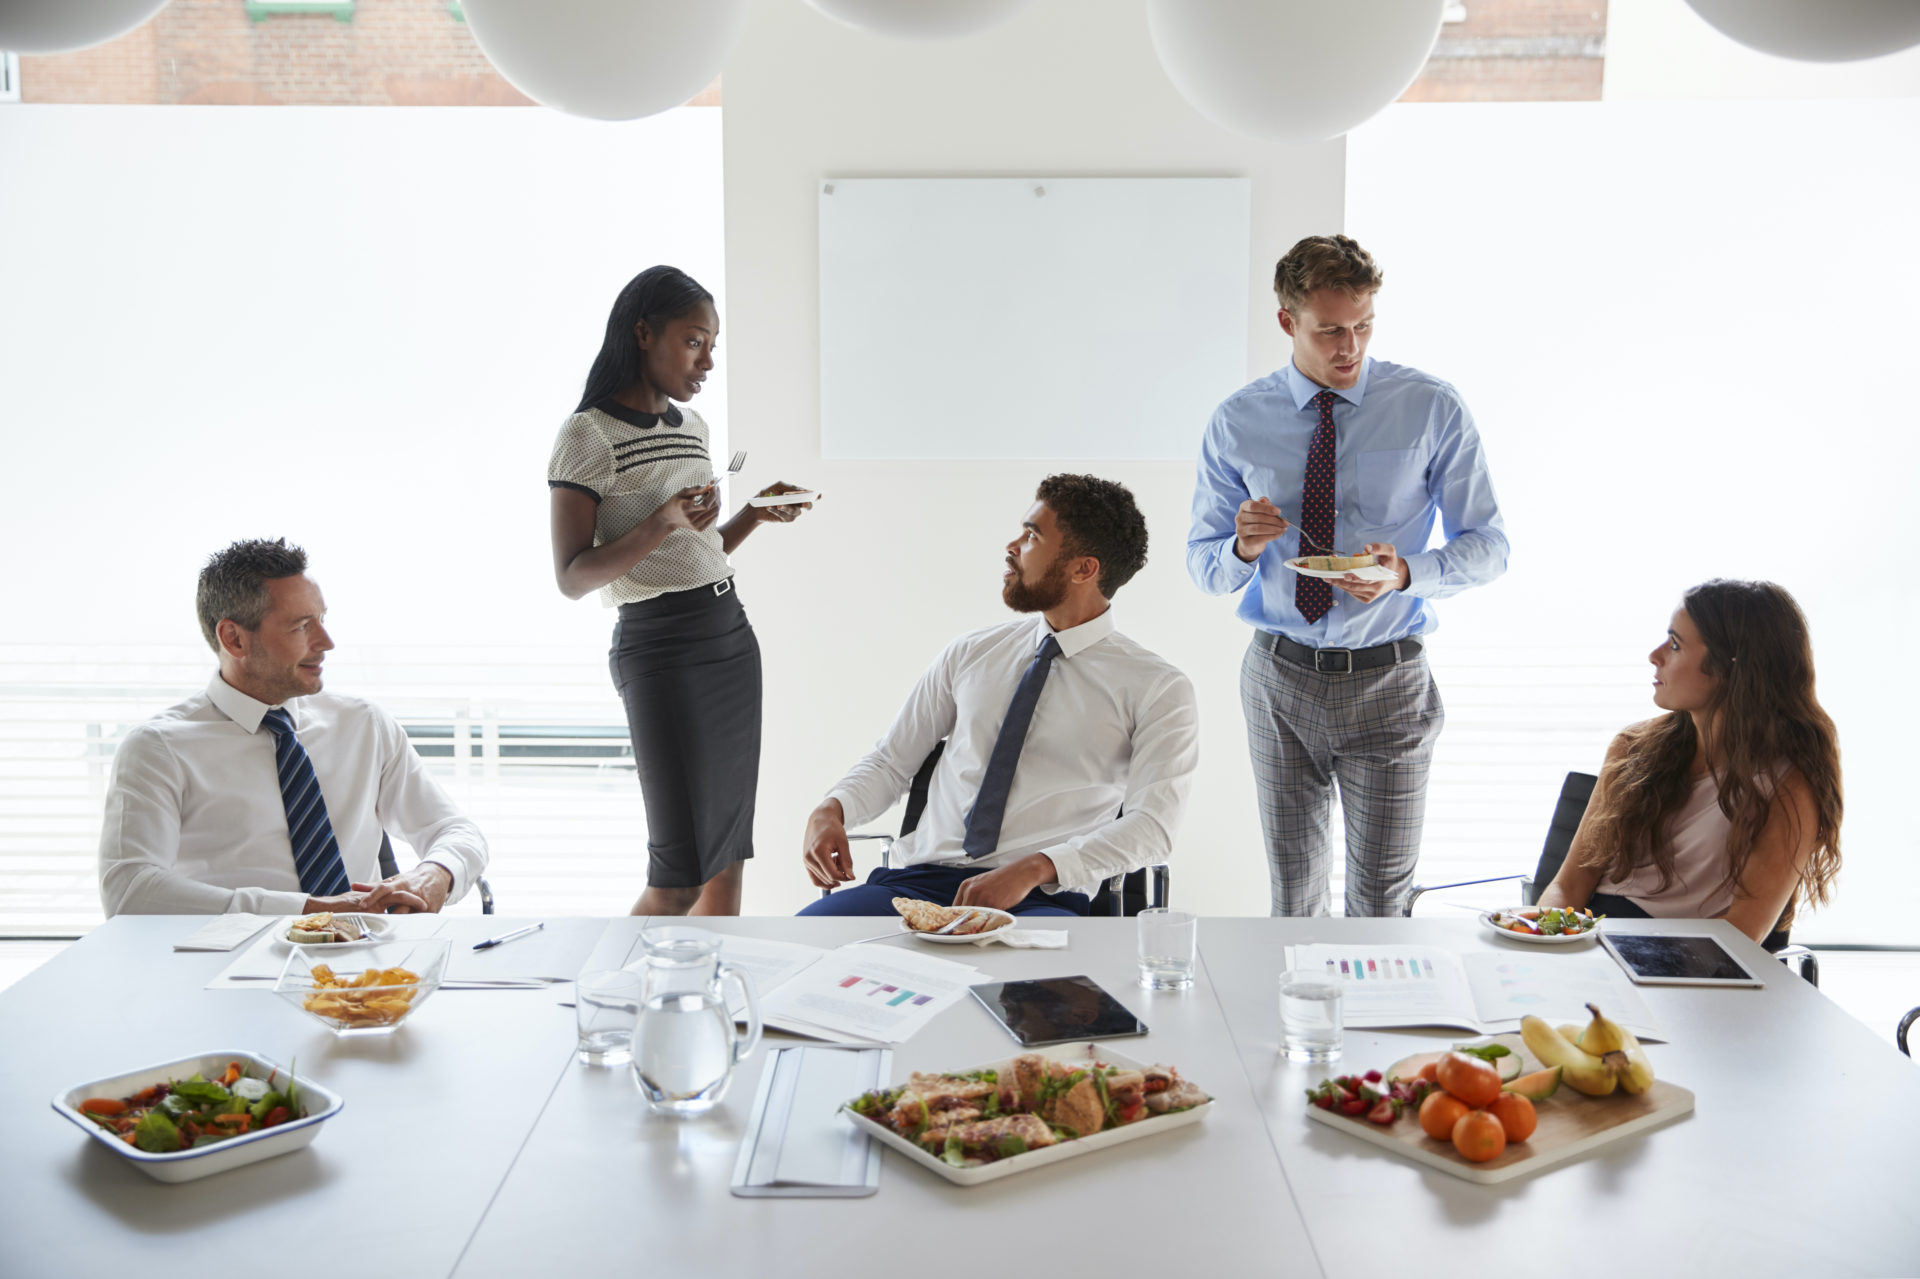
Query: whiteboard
[[1057, 318]]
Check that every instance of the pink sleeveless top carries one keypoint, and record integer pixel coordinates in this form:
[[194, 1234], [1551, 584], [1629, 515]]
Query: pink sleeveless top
[[1699, 837]]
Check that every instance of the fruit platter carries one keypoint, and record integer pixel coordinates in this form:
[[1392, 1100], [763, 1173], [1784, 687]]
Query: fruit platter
[[1509, 1106]]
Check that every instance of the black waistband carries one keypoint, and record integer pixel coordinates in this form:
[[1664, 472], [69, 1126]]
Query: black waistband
[[681, 601], [1340, 661]]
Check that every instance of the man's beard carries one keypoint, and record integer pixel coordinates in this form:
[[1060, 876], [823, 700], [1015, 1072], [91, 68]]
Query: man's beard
[[1040, 596]]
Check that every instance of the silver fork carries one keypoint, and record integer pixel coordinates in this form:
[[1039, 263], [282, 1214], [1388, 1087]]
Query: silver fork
[[1325, 550], [952, 924], [733, 467]]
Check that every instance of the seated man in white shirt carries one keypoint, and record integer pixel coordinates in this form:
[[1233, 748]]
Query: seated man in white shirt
[[263, 794], [1070, 748]]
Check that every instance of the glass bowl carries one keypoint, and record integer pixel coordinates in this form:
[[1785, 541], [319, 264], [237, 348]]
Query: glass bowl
[[351, 1010]]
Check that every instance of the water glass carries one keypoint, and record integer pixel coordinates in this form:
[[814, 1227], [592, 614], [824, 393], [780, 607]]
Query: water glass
[[1167, 940], [606, 1004], [1309, 1017]]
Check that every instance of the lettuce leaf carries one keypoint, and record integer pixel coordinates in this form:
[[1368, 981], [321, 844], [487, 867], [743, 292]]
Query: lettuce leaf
[[156, 1134]]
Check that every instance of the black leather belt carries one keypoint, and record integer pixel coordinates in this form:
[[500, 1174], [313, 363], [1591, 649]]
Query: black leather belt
[[1342, 661]]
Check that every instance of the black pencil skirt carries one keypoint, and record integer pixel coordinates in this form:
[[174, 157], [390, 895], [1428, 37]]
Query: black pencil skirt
[[687, 666]]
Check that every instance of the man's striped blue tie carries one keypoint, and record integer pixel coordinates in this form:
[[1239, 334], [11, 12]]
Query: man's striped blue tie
[[316, 854]]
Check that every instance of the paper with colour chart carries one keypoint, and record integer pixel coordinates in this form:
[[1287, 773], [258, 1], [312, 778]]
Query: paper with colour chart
[[224, 932], [1484, 991], [866, 994]]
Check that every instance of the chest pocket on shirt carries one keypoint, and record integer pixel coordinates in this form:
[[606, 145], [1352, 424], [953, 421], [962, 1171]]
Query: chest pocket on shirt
[[1389, 485]]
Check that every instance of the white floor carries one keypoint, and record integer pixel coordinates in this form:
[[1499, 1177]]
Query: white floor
[[1878, 987]]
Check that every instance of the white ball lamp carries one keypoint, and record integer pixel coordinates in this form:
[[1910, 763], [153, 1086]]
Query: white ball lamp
[[1292, 70], [921, 19], [61, 26], [1816, 30], [607, 59]]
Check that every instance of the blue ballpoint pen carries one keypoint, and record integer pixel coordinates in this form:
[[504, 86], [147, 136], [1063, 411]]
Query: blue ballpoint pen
[[504, 937]]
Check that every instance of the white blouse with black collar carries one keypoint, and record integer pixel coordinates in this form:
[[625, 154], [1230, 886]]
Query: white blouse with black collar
[[631, 463]]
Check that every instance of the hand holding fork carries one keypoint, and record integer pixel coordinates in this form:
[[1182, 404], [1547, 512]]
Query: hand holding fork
[[1259, 522]]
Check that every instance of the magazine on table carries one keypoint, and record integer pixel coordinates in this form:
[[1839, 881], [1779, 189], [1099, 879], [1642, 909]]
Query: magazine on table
[[1384, 986]]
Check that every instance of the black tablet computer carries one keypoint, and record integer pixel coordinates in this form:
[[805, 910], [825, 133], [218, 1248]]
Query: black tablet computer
[[1677, 959], [1057, 1010]]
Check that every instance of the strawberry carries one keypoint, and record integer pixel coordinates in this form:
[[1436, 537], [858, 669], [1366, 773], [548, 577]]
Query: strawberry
[[1373, 1076], [1353, 1105], [1383, 1112]]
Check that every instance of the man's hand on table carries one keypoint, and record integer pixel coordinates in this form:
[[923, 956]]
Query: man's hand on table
[[1389, 559], [370, 899], [422, 889], [1008, 886], [828, 856]]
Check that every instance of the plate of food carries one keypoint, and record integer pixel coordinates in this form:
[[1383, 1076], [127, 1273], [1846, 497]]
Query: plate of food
[[190, 1118], [1026, 1112], [1537, 927], [327, 931], [374, 990], [1365, 567], [783, 499], [963, 925]]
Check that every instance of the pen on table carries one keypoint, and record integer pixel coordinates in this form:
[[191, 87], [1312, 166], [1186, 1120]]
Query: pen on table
[[504, 937]]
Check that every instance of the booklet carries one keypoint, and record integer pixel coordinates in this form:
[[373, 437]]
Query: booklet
[[1489, 992], [862, 994]]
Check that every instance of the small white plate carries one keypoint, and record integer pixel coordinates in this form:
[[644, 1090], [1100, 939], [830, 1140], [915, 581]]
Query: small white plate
[[1373, 574], [378, 927], [958, 939], [1536, 939], [782, 499]]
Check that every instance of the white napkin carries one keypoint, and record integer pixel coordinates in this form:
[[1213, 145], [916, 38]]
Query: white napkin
[[1025, 938], [224, 932]]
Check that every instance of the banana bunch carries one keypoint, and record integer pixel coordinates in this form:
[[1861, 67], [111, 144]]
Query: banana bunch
[[1595, 1059]]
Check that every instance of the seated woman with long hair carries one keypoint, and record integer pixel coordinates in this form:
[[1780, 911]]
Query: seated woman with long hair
[[1728, 806]]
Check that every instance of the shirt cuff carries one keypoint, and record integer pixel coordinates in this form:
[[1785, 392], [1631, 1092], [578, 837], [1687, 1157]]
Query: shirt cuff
[[1236, 571], [1423, 572], [458, 887], [851, 814], [1069, 869]]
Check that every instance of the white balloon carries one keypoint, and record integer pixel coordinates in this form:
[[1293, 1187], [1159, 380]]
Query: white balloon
[[1816, 30], [1292, 70], [61, 26], [607, 59], [921, 19]]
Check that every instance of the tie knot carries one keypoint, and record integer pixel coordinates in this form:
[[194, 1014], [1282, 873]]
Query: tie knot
[[279, 721], [1324, 402], [1049, 647]]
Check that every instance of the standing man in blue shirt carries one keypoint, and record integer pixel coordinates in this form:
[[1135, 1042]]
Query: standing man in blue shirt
[[1337, 450]]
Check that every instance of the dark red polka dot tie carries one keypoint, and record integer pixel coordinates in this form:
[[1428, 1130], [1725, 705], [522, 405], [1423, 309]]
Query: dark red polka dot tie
[[1313, 596]]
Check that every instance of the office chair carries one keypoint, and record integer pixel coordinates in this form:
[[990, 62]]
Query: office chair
[[1906, 1024], [1575, 793], [389, 868], [1122, 895]]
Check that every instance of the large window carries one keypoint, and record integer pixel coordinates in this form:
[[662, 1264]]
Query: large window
[[1683, 328], [359, 329]]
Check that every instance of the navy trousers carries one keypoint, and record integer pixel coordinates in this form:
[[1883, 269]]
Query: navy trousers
[[936, 884]]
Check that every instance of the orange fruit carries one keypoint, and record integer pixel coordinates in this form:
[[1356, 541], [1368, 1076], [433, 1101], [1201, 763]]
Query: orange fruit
[[1470, 1079], [1439, 1113], [1478, 1136], [1430, 1072], [1516, 1115]]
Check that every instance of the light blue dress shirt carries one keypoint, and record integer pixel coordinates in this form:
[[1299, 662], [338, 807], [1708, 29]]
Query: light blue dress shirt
[[1405, 451]]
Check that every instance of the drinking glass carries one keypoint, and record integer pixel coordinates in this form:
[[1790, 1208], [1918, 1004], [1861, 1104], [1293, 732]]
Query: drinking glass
[[1166, 948], [1309, 1017], [606, 1004]]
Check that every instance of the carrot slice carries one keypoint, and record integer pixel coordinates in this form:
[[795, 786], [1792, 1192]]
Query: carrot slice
[[103, 1106], [232, 1076]]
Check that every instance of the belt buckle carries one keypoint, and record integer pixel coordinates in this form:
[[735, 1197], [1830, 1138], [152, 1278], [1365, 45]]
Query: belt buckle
[[722, 586], [1346, 669]]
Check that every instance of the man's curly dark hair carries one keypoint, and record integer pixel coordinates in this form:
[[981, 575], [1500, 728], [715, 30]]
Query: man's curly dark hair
[[1099, 518]]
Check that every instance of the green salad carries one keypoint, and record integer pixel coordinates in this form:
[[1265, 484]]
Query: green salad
[[184, 1114]]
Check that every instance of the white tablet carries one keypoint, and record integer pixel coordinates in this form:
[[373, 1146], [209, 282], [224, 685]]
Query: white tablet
[[1677, 959]]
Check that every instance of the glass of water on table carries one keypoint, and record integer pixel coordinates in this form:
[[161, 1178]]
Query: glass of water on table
[[1167, 940], [606, 1004], [1310, 1023]]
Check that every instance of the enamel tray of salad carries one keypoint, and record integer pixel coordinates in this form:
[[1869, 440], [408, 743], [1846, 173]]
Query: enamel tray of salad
[[1026, 1112], [183, 1120], [1550, 927]]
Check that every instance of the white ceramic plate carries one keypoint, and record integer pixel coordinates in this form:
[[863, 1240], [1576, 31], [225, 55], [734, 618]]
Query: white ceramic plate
[[321, 1104], [379, 928], [1073, 1055], [1534, 939], [782, 499], [1374, 574], [966, 939]]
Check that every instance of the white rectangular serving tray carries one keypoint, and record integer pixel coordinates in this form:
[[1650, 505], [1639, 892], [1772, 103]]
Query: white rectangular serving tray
[[1073, 1055], [190, 1165]]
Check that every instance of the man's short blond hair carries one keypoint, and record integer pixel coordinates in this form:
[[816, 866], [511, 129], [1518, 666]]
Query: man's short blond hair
[[1325, 262]]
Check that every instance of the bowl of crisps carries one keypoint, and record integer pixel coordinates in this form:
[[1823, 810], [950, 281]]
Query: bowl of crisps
[[368, 990]]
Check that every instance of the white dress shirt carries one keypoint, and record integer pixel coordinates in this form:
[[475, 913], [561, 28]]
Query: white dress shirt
[[195, 823], [1103, 774]]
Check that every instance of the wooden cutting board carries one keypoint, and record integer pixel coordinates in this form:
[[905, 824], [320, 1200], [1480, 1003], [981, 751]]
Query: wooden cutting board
[[1571, 1124]]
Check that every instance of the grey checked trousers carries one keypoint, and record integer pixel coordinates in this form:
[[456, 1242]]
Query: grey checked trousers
[[1373, 733]]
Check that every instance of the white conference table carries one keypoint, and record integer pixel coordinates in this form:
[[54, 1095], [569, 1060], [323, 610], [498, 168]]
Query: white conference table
[[473, 1144]]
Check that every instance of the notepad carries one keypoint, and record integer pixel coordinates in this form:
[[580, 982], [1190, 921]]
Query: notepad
[[797, 1142]]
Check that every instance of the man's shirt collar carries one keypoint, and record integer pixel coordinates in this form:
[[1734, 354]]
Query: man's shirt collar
[[1305, 388], [236, 705], [1077, 639]]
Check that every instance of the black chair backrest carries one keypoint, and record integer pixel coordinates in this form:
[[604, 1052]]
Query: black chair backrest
[[917, 792], [388, 866], [1575, 792]]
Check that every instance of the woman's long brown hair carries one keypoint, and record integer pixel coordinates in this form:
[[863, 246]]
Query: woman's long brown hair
[[1768, 716]]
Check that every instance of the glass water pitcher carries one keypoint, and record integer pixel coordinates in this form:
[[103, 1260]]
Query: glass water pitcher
[[685, 1046]]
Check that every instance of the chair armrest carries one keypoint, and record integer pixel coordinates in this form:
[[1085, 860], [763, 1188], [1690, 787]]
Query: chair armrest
[[886, 853], [1906, 1024], [1413, 895], [486, 895], [1801, 961]]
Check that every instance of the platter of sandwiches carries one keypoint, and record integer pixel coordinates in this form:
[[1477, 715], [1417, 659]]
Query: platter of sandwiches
[[325, 929], [1365, 567], [1026, 1112]]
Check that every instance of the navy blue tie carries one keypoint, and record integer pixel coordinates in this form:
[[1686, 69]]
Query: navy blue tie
[[316, 854], [990, 806]]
